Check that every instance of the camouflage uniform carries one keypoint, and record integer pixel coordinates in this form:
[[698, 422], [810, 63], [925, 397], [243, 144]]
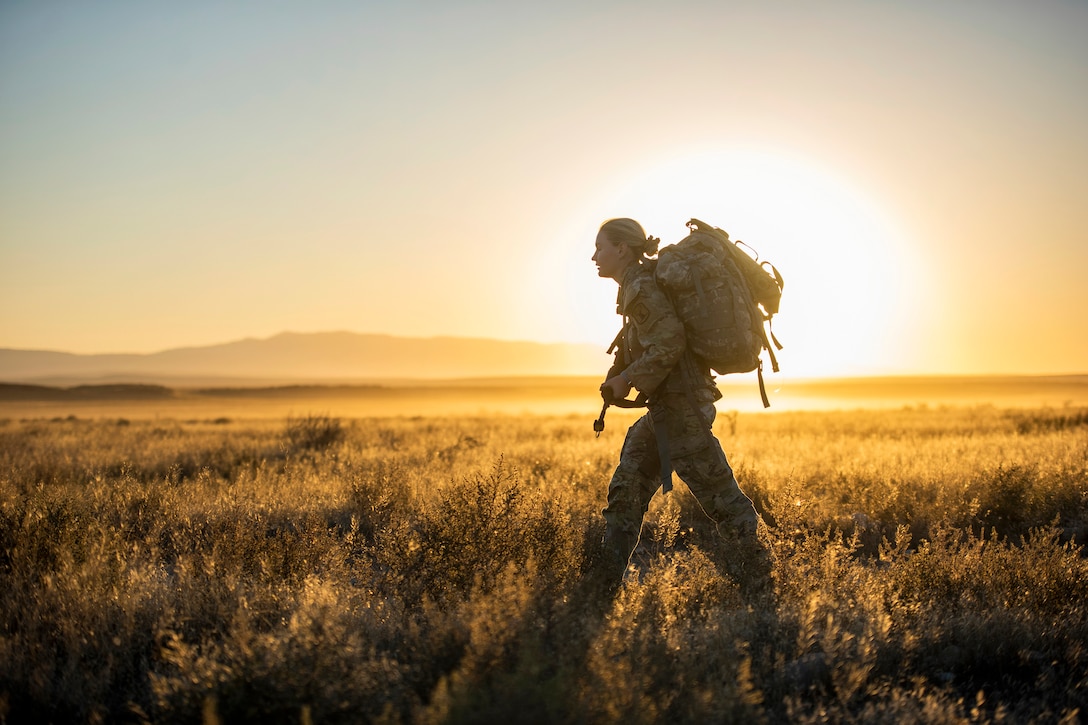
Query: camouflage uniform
[[657, 363]]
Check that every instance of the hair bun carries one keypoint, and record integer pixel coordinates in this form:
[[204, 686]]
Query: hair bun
[[652, 243]]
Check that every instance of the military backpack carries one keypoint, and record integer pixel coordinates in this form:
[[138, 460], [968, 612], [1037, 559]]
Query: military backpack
[[725, 298]]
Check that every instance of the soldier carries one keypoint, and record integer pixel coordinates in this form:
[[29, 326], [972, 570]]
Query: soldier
[[676, 433]]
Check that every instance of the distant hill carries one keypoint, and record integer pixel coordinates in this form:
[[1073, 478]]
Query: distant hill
[[16, 391], [297, 357]]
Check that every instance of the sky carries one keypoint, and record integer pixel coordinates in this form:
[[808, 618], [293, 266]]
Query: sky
[[177, 174]]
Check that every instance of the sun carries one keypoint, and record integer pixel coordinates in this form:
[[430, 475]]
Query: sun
[[853, 292]]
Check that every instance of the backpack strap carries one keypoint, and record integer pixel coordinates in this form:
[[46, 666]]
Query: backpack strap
[[762, 387], [770, 351], [773, 338], [774, 272]]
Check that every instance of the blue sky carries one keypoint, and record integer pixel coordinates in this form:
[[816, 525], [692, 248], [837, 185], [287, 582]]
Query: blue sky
[[176, 174]]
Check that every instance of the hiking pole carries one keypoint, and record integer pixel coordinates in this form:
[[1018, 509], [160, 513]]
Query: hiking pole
[[598, 425]]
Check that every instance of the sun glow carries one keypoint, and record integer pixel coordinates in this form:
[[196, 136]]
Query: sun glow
[[851, 289]]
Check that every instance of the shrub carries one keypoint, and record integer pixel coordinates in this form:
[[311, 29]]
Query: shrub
[[312, 433]]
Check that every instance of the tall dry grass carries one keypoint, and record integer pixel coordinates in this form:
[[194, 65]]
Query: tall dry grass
[[928, 568]]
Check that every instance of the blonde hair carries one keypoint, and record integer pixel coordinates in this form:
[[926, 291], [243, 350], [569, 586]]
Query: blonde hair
[[630, 233]]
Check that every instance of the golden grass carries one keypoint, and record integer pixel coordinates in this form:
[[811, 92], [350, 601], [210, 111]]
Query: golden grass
[[928, 568]]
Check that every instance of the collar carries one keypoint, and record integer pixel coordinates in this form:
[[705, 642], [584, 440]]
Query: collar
[[629, 275], [633, 270]]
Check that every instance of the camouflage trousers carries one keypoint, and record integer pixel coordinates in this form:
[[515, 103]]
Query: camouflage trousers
[[698, 459]]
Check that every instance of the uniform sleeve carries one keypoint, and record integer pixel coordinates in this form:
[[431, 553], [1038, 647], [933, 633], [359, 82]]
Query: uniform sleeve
[[659, 333]]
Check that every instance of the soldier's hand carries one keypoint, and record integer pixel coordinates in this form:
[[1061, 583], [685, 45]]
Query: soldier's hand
[[617, 387]]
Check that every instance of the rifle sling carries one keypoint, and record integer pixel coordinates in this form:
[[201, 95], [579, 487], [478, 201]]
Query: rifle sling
[[661, 433]]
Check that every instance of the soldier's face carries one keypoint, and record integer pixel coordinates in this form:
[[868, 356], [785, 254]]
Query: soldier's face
[[612, 259]]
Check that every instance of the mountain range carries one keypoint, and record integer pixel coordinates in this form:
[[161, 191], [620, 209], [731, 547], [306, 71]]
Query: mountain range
[[325, 357]]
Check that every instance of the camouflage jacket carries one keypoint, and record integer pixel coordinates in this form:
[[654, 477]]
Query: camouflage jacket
[[654, 347]]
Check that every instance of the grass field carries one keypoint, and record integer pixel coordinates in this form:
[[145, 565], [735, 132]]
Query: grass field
[[438, 568]]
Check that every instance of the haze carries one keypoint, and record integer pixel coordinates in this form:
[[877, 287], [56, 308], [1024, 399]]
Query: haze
[[189, 174]]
